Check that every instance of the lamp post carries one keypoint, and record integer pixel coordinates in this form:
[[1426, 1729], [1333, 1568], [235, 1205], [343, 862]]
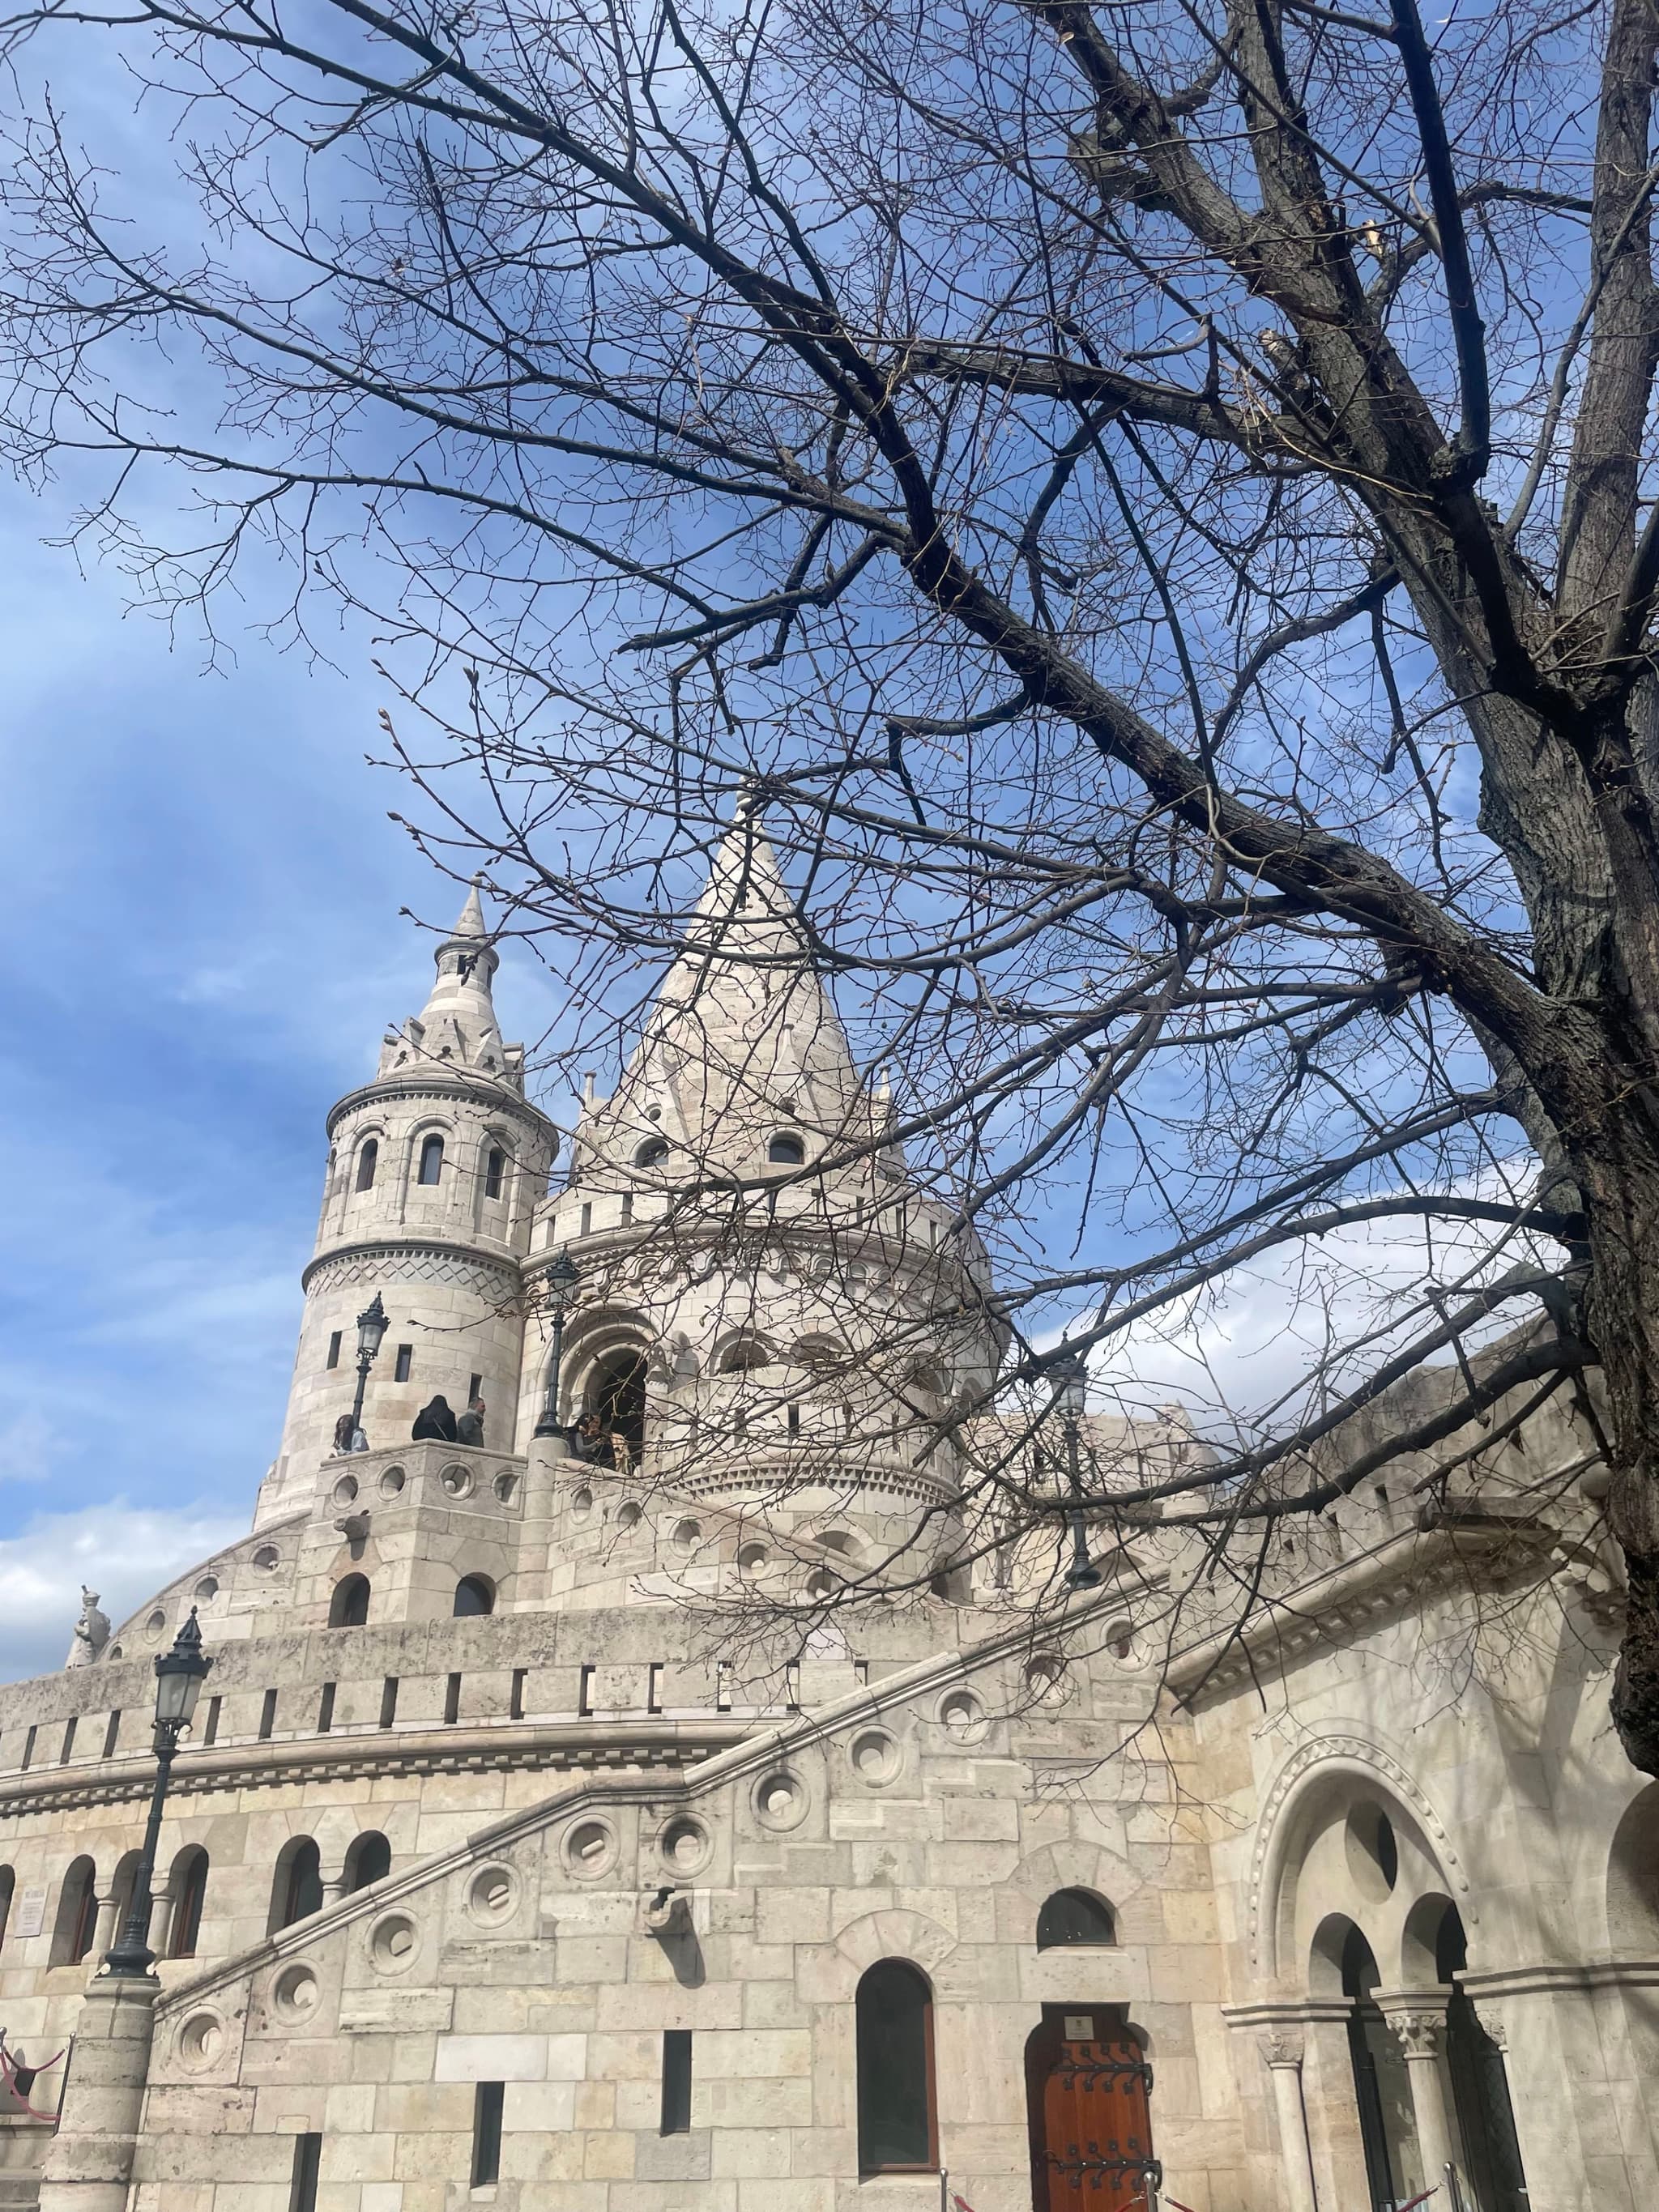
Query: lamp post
[[559, 1285], [179, 1674], [371, 1325], [1083, 1573]]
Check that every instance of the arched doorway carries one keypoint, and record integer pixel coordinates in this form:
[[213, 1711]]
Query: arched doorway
[[1480, 2088], [1388, 2119], [613, 1407], [1088, 2098]]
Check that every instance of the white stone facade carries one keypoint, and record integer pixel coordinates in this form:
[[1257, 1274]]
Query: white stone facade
[[442, 1897]]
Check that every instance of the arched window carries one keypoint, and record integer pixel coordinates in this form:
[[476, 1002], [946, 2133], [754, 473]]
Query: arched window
[[785, 1152], [1074, 1916], [494, 1171], [78, 1914], [188, 1884], [368, 1860], [8, 1887], [1480, 2088], [652, 1153], [746, 1357], [368, 1160], [432, 1159], [1388, 2120], [474, 1594], [348, 1607], [894, 2025], [297, 1888]]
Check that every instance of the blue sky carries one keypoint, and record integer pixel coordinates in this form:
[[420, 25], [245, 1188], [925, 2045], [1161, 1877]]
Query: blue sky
[[203, 901], [201, 896]]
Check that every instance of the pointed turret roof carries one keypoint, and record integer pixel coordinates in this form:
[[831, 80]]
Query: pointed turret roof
[[457, 1028], [742, 1041]]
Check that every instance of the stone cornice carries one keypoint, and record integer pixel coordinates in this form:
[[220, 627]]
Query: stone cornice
[[1288, 2012], [368, 1754], [1549, 1977], [1396, 1577], [430, 1084], [434, 1245]]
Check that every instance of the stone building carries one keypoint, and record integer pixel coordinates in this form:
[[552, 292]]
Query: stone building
[[556, 1833]]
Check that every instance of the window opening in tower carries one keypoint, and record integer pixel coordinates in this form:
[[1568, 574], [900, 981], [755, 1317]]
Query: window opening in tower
[[611, 1430]]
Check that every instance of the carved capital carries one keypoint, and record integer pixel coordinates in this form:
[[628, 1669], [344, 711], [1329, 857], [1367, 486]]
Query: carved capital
[[1281, 2046], [1419, 2032]]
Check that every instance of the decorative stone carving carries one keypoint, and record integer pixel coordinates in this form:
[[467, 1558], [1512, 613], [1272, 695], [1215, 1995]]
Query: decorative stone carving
[[1281, 2046], [1419, 2032], [91, 1630]]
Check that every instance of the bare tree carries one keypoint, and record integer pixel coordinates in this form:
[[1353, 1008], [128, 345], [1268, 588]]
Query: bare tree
[[1147, 499]]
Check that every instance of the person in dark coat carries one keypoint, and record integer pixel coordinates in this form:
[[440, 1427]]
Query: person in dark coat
[[434, 1424]]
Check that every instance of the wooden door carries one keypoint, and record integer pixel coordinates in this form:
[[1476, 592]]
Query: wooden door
[[1088, 2088]]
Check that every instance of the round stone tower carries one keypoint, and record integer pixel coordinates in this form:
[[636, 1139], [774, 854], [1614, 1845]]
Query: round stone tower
[[772, 1312], [435, 1170]]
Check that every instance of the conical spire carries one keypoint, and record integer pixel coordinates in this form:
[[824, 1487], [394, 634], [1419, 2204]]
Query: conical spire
[[743, 1041], [458, 1028]]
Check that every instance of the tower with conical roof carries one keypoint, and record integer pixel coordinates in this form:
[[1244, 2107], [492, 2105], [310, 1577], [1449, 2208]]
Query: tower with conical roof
[[772, 1309], [435, 1171]]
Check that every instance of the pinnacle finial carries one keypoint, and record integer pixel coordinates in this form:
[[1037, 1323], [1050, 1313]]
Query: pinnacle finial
[[471, 921]]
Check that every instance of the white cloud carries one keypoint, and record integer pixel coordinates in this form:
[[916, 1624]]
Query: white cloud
[[1310, 1318], [123, 1552]]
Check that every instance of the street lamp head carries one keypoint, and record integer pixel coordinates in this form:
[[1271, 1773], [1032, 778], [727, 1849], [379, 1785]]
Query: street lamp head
[[559, 1280], [1071, 1373], [371, 1325], [179, 1674]]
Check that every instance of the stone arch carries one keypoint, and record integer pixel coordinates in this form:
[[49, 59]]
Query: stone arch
[[494, 1140], [1318, 1783], [1632, 1893], [743, 1351], [835, 1969], [1069, 1864]]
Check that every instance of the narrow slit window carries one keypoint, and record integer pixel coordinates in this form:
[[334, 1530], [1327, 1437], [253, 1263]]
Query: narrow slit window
[[325, 1709], [486, 2133], [494, 1171], [368, 1160], [268, 1717], [405, 1361], [113, 1728], [333, 1359], [675, 2081], [452, 1700], [431, 1160], [388, 1700], [584, 1694], [68, 1752], [209, 1727], [654, 1688], [515, 1699], [308, 2163]]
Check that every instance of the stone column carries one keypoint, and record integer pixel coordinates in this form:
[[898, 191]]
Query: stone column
[[1281, 2048], [88, 2166], [1316, 2118], [1418, 2018], [103, 1933]]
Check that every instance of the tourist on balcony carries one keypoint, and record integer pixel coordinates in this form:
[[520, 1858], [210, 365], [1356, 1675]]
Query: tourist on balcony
[[434, 1424]]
